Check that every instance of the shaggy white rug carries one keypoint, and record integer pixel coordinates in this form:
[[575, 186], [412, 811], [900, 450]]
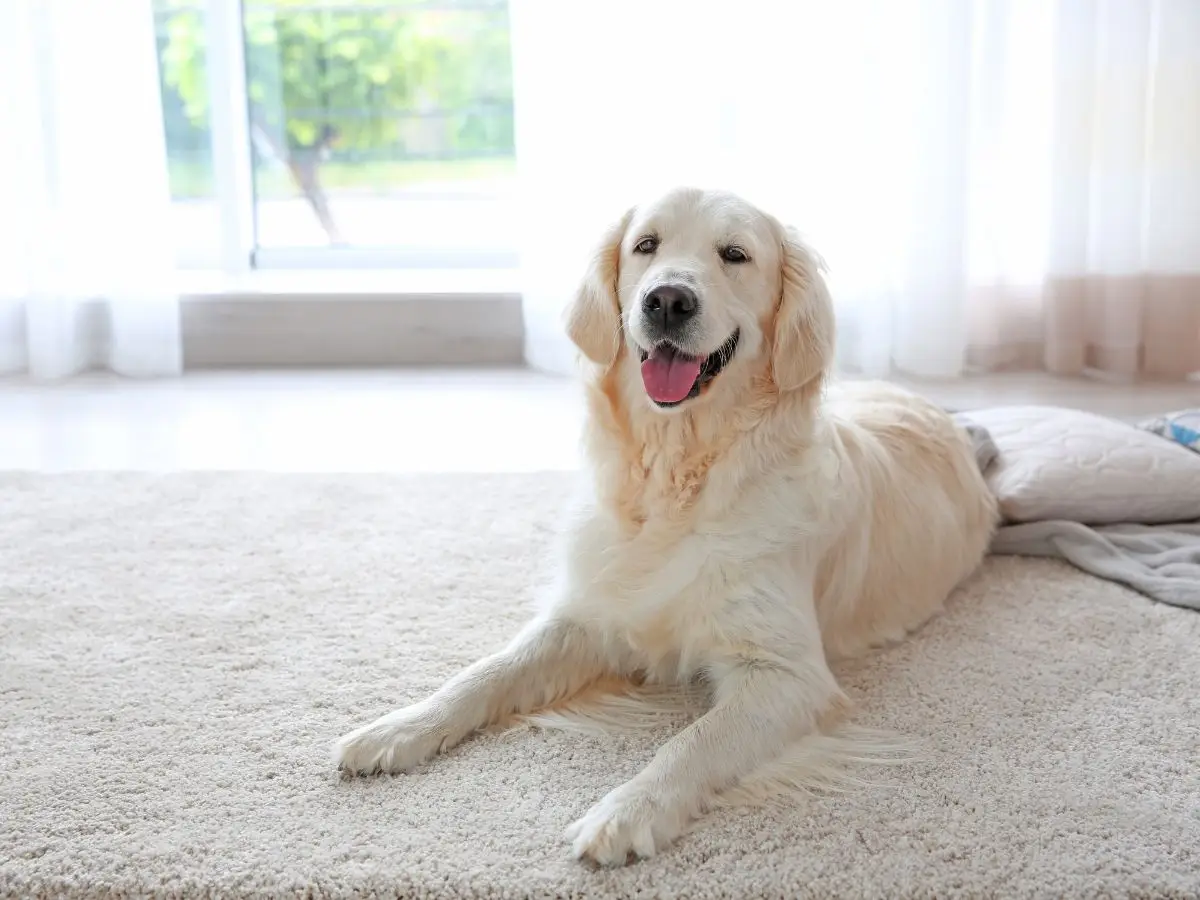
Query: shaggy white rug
[[177, 652]]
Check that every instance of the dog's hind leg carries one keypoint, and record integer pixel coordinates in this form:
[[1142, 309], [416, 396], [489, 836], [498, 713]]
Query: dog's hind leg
[[550, 659]]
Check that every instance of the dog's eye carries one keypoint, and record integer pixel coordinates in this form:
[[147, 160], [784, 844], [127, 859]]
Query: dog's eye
[[647, 244], [733, 254]]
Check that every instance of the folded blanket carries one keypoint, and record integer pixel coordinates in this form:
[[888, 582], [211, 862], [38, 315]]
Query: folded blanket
[[1160, 561]]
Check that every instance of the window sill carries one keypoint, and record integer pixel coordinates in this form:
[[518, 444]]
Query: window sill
[[333, 283]]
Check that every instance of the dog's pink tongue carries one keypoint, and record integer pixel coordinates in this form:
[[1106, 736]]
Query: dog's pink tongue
[[669, 377]]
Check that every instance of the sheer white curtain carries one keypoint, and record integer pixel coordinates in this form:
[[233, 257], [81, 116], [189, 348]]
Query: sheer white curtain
[[84, 253], [994, 183]]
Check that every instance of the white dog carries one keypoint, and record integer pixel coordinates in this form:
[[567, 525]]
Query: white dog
[[742, 527]]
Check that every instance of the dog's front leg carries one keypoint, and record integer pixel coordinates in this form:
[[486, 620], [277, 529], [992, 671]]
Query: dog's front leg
[[549, 660], [766, 695]]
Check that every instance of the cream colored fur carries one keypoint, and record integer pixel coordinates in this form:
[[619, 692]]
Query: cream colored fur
[[741, 540]]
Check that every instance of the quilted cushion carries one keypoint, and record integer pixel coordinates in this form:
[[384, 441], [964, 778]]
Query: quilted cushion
[[1066, 464]]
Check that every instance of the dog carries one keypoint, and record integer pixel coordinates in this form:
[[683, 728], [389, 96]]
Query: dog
[[745, 523]]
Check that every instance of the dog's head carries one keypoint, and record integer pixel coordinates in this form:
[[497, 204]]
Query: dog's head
[[702, 290]]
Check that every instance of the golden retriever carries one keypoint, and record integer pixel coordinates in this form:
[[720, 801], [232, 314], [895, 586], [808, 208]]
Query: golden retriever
[[743, 524]]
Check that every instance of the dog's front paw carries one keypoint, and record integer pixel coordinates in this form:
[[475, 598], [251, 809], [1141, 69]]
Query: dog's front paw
[[394, 743], [629, 822]]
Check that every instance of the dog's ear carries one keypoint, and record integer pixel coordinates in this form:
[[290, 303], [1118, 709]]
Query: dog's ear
[[803, 342], [594, 316]]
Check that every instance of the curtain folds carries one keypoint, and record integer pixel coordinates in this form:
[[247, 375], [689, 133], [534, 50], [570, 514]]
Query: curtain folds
[[85, 258], [995, 184]]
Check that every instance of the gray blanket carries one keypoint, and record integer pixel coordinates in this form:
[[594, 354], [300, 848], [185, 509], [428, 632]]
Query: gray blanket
[[1160, 561]]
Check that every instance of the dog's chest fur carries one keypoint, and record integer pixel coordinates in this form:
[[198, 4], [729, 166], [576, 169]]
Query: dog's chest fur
[[664, 588], [656, 597]]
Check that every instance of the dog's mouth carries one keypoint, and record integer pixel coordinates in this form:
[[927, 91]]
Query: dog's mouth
[[671, 376]]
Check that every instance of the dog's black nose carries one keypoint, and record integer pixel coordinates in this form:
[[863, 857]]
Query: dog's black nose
[[669, 305]]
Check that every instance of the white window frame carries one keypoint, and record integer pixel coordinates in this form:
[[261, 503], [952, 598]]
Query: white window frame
[[407, 258], [229, 129]]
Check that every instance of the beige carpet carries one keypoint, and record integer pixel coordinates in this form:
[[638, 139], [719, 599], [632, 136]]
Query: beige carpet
[[177, 652]]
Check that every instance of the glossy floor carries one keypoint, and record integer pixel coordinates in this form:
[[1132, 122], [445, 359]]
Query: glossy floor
[[387, 421]]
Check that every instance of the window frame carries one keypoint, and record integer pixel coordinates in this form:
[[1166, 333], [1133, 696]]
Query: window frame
[[229, 130]]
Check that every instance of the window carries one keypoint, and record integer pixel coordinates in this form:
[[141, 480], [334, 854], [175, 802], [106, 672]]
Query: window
[[346, 132]]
